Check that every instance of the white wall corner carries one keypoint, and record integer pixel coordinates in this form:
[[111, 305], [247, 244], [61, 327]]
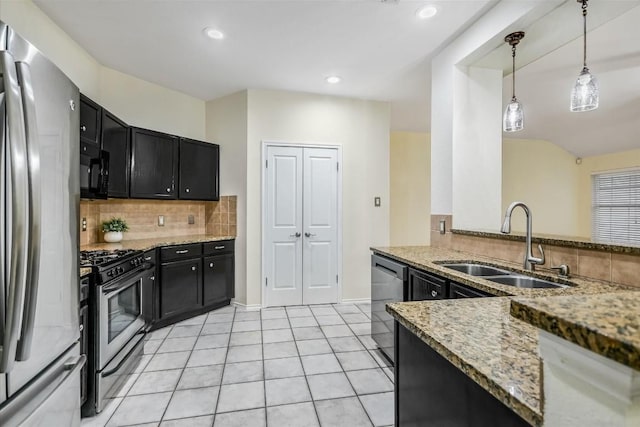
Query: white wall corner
[[582, 388]]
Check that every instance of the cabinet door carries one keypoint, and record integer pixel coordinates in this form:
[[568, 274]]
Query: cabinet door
[[218, 278], [425, 286], [199, 170], [180, 287], [148, 291], [154, 164], [90, 115], [115, 140], [457, 290]]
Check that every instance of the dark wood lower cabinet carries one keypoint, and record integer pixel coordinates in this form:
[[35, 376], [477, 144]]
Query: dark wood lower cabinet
[[217, 282], [180, 287], [430, 391], [191, 279]]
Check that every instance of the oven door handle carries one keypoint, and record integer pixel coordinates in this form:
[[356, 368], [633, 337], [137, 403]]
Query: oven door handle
[[123, 357], [126, 281]]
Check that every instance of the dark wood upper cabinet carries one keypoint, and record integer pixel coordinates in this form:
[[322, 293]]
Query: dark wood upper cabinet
[[199, 164], [90, 116], [116, 141], [154, 164]]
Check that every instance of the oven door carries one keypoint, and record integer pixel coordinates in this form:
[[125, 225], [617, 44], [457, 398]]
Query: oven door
[[119, 315]]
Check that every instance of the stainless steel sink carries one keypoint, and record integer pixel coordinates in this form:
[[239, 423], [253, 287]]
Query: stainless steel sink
[[476, 269], [525, 282]]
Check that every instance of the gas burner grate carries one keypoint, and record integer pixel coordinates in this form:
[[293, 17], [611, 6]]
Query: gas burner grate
[[97, 258]]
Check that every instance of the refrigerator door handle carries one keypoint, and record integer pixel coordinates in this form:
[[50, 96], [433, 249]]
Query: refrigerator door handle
[[17, 144], [35, 212], [19, 411]]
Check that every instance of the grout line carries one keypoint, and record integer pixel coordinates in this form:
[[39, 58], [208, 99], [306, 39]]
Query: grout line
[[215, 411]]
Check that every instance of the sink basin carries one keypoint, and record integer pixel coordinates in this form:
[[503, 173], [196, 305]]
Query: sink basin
[[476, 269], [525, 282]]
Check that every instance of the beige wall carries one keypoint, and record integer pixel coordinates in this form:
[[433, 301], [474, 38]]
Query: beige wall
[[545, 177], [147, 105], [226, 124], [137, 102], [410, 188], [362, 129]]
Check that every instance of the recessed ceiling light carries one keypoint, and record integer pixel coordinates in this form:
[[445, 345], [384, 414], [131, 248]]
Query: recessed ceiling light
[[426, 12], [212, 33], [333, 79]]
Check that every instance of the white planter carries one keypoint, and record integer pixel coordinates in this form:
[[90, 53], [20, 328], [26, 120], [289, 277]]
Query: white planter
[[113, 236]]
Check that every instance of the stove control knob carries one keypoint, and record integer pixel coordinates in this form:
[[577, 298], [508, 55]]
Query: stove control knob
[[110, 273], [119, 270]]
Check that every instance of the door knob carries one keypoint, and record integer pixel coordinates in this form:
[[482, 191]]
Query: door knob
[[309, 235], [295, 235]]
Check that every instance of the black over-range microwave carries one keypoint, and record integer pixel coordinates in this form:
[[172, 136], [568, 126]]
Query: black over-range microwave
[[94, 172]]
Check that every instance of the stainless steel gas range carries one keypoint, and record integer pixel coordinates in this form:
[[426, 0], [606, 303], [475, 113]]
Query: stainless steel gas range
[[116, 321]]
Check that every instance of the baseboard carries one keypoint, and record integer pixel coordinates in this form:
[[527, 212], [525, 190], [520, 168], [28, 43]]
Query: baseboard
[[248, 307], [356, 301]]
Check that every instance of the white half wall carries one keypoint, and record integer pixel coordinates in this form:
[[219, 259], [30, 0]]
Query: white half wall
[[477, 148]]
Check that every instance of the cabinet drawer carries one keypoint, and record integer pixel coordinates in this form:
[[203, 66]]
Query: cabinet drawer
[[426, 286], [169, 253], [457, 290], [150, 256], [220, 247]]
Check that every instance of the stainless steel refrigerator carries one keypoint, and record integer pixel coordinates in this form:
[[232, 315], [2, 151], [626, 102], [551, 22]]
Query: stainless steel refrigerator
[[40, 361]]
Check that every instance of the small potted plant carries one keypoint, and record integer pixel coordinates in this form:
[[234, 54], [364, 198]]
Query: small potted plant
[[113, 229]]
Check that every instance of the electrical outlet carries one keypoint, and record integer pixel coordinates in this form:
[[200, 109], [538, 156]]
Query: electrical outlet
[[376, 202], [84, 224], [160, 220], [191, 219], [443, 226]]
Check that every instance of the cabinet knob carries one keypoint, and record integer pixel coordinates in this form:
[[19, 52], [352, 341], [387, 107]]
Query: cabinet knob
[[152, 278], [211, 265], [193, 268], [187, 190], [84, 148], [83, 128], [434, 294], [168, 190]]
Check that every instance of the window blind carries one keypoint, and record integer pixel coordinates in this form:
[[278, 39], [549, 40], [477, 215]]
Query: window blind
[[616, 207]]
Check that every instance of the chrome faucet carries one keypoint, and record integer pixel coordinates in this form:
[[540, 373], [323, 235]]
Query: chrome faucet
[[529, 260]]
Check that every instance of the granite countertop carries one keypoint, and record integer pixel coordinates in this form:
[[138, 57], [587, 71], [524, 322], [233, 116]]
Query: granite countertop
[[607, 324], [482, 339], [552, 239], [427, 258], [84, 271], [146, 244]]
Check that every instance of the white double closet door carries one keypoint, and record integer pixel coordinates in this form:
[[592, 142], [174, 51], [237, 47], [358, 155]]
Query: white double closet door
[[301, 226]]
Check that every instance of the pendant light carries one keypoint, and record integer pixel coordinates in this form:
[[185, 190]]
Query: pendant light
[[513, 119], [585, 95]]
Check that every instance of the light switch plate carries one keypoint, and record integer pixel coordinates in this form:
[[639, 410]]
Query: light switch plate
[[160, 220], [376, 202]]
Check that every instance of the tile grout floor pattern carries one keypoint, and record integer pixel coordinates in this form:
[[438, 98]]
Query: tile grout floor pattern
[[296, 366]]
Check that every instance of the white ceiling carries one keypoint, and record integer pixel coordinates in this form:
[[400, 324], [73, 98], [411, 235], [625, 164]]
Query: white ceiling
[[380, 49], [544, 87]]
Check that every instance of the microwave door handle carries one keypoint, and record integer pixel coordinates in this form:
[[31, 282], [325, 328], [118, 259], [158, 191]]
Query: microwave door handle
[[93, 164], [17, 163], [35, 212]]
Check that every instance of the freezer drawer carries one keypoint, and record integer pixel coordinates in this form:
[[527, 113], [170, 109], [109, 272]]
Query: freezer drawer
[[52, 399]]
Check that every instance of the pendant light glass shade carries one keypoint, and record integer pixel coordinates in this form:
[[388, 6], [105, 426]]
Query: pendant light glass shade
[[513, 119], [585, 95]]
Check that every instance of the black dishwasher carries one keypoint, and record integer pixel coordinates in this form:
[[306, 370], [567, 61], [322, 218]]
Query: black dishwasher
[[388, 284]]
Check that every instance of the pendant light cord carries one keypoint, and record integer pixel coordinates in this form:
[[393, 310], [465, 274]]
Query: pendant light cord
[[513, 73], [584, 32]]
